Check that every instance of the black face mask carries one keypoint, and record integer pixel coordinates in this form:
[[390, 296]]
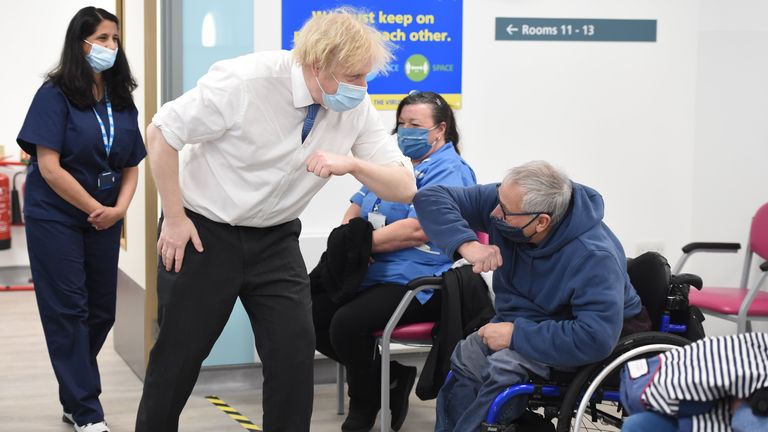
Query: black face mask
[[512, 233]]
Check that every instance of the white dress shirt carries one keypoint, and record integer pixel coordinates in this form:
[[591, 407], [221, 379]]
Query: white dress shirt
[[238, 134]]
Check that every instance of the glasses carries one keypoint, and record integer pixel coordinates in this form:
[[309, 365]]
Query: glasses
[[508, 213]]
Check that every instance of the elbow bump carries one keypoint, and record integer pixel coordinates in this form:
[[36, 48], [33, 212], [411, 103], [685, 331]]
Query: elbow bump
[[405, 196], [409, 194]]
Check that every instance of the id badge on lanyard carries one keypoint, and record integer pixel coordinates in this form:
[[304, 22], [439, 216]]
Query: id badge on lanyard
[[106, 179], [377, 219]]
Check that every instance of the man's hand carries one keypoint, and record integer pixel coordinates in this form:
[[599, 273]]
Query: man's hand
[[324, 164], [497, 336], [174, 235], [104, 217], [482, 257]]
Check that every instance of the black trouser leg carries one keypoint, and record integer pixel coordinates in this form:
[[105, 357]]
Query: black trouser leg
[[351, 334], [196, 304], [323, 309], [276, 296]]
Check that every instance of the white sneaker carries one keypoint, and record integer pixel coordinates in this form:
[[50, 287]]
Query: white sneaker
[[93, 427], [67, 418]]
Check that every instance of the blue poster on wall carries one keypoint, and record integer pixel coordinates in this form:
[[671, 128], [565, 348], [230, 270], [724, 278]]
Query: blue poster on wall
[[427, 34]]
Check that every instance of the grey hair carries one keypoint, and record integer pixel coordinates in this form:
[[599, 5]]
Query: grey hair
[[545, 188]]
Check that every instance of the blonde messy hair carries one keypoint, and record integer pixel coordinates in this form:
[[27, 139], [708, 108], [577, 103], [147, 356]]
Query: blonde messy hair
[[341, 37]]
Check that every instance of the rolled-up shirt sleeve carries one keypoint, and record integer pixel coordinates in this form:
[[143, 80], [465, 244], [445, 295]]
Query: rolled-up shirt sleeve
[[205, 112], [375, 144]]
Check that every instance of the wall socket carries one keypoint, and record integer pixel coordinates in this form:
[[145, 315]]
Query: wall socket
[[649, 246]]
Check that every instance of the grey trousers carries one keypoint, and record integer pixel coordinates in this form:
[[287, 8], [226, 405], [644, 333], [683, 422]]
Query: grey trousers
[[479, 375]]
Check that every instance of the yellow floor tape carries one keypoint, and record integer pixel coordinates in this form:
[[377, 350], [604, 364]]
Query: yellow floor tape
[[244, 421]]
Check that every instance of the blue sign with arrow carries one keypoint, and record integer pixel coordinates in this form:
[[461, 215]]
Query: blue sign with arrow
[[575, 29]]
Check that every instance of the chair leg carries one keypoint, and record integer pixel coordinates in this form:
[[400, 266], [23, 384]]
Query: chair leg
[[743, 325], [339, 389], [385, 417]]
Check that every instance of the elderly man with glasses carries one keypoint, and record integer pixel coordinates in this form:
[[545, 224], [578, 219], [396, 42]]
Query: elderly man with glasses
[[562, 290]]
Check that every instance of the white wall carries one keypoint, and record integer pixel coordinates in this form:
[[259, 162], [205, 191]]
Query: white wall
[[132, 257], [616, 116], [731, 154]]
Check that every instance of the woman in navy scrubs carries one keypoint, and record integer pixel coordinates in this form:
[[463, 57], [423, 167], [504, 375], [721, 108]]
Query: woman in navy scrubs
[[426, 133], [82, 132]]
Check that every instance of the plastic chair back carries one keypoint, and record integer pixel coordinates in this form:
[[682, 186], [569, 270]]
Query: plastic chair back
[[758, 232]]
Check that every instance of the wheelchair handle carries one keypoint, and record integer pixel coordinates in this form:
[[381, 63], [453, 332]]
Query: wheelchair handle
[[687, 279]]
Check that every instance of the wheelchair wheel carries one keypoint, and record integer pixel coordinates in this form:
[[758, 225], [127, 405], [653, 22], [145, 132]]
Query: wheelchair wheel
[[604, 415]]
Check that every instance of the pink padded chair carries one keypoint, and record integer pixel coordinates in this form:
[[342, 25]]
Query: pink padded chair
[[416, 334], [745, 303]]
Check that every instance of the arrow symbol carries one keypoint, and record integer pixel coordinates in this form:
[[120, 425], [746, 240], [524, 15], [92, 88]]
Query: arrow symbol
[[511, 29]]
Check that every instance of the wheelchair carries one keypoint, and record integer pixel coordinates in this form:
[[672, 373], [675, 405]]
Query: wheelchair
[[588, 399]]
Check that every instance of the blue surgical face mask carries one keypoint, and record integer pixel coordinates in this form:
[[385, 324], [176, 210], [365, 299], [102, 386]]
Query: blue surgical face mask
[[347, 96], [414, 142], [512, 233], [100, 58]]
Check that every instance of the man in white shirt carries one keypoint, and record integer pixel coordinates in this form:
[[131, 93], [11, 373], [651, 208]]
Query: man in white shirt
[[236, 160]]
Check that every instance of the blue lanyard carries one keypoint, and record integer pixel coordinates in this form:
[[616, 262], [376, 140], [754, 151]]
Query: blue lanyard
[[107, 142], [375, 208]]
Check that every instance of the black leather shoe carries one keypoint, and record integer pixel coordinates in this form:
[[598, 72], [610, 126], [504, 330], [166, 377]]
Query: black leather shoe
[[359, 419], [403, 378]]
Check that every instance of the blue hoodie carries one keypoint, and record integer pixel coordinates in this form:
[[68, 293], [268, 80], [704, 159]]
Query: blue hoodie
[[567, 296]]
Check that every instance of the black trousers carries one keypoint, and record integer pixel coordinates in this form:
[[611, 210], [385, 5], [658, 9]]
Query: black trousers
[[345, 334], [264, 268]]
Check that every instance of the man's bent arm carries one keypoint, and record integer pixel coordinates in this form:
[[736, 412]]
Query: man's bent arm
[[164, 161], [390, 182]]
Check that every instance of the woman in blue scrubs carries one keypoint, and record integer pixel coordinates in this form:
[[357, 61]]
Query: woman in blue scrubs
[[426, 132], [82, 132]]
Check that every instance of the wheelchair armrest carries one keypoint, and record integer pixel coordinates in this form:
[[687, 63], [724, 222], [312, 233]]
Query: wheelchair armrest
[[764, 266], [692, 248], [711, 247], [426, 280], [687, 279]]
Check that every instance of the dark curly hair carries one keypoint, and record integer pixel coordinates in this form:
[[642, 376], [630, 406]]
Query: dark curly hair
[[441, 112], [74, 76]]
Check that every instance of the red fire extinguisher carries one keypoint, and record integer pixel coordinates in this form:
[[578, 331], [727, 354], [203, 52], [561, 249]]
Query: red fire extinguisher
[[5, 212]]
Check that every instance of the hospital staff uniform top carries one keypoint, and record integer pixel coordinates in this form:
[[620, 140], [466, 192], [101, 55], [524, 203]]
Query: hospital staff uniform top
[[53, 122]]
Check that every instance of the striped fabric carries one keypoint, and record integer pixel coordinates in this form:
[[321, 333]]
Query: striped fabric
[[712, 369]]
